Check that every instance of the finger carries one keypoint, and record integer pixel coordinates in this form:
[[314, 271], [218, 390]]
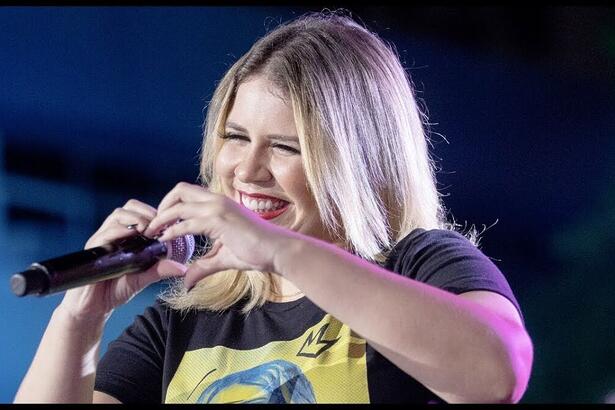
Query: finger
[[188, 227], [125, 217], [184, 192], [179, 229], [168, 217], [140, 207], [164, 269], [132, 205], [200, 269], [108, 235]]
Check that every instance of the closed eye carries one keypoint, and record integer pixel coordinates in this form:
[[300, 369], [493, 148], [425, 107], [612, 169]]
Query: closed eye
[[286, 148], [230, 136], [234, 137]]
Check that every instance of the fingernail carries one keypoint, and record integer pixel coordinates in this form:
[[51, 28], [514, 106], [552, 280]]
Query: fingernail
[[153, 234], [149, 227]]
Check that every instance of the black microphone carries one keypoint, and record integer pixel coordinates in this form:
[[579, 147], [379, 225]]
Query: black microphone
[[126, 255]]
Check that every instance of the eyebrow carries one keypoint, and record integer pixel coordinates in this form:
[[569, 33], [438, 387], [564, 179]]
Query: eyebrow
[[280, 137]]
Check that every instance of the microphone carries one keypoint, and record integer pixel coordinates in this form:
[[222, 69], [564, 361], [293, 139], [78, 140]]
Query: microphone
[[120, 257]]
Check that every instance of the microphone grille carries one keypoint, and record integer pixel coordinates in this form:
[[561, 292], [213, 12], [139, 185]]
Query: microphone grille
[[181, 248]]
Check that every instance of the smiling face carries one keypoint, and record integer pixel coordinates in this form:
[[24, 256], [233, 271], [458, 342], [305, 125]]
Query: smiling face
[[259, 163]]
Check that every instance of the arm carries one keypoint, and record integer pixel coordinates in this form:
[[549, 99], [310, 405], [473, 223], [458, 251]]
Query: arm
[[463, 348], [64, 366], [460, 348], [67, 352], [104, 398]]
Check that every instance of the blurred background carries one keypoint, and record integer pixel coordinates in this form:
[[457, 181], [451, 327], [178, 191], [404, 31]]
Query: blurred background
[[101, 104]]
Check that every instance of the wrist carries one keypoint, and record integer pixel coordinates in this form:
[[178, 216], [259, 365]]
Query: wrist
[[287, 254], [82, 336], [81, 323]]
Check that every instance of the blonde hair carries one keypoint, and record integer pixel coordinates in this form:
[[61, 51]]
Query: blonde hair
[[362, 137]]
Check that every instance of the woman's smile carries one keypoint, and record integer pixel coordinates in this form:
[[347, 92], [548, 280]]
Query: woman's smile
[[259, 162], [265, 206]]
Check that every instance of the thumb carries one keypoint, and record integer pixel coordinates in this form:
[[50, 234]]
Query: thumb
[[200, 269], [163, 269]]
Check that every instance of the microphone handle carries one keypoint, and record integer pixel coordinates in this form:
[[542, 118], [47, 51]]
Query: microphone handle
[[127, 255]]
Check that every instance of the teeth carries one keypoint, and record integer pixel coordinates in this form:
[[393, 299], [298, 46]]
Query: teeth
[[261, 205]]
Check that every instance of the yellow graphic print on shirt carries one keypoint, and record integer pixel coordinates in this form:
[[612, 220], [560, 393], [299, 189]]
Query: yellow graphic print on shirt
[[324, 365]]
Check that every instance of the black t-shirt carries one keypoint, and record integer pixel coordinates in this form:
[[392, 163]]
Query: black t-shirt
[[291, 352]]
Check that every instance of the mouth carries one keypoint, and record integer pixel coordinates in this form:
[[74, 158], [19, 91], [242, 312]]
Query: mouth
[[264, 206]]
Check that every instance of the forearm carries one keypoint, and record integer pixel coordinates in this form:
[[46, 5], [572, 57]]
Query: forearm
[[447, 343], [64, 366]]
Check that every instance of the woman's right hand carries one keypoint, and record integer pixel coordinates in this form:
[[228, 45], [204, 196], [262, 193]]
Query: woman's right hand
[[96, 301]]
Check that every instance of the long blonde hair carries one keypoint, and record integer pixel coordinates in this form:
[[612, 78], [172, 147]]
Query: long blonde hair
[[362, 137]]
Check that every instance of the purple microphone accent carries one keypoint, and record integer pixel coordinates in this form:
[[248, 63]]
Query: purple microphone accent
[[180, 249], [121, 257]]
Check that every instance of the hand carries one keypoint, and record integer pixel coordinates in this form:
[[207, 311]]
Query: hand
[[99, 299], [242, 239]]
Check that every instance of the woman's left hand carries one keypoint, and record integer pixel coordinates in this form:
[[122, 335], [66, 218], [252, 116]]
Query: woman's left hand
[[242, 239]]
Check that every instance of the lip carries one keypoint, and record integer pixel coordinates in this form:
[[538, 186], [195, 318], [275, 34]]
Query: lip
[[268, 214], [260, 196]]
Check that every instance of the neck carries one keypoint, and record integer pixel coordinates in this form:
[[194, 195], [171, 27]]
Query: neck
[[284, 291]]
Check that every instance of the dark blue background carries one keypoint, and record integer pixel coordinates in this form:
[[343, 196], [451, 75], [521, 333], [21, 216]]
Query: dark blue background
[[102, 104]]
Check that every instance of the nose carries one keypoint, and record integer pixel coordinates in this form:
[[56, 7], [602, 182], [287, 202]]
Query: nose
[[253, 167]]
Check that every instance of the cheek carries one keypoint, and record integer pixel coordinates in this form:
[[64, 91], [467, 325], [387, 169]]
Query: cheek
[[291, 177], [225, 162]]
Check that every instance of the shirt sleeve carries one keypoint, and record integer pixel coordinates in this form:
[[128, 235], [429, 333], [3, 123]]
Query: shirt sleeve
[[131, 368], [449, 261]]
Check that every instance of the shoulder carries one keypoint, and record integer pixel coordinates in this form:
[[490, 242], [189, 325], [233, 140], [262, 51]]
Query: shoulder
[[158, 312], [157, 320], [447, 260], [422, 245], [422, 236]]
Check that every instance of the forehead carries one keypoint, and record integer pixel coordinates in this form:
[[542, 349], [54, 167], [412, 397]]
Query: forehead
[[259, 103]]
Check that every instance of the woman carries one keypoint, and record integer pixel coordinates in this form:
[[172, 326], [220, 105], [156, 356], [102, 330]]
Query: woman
[[333, 274]]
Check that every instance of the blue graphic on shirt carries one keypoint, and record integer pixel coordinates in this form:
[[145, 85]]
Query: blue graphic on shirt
[[277, 381]]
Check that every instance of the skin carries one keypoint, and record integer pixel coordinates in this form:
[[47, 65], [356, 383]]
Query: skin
[[479, 352], [64, 366], [255, 161], [465, 348]]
